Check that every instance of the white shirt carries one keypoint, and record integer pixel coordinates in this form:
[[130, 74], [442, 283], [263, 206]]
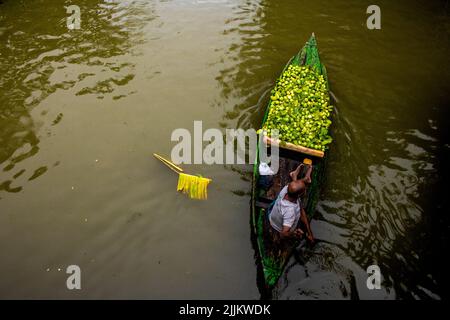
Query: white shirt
[[284, 212]]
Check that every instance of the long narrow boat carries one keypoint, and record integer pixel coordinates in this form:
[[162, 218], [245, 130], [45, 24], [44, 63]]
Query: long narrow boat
[[273, 259]]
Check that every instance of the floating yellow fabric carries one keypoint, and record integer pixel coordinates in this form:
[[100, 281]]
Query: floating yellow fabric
[[195, 187]]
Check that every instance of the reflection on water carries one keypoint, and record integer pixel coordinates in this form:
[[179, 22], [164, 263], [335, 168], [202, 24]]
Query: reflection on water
[[82, 111], [248, 72], [39, 57]]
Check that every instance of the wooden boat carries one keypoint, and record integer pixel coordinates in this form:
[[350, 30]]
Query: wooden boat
[[273, 258]]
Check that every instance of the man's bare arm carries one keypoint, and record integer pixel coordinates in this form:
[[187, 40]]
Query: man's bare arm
[[305, 221]]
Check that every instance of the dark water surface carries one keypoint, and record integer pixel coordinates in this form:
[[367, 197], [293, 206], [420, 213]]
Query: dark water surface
[[82, 111]]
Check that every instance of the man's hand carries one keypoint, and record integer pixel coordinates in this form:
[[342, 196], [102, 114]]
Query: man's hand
[[298, 233], [294, 174], [310, 237], [286, 233]]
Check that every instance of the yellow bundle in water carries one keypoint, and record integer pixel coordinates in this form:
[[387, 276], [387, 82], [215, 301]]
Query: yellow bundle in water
[[194, 186]]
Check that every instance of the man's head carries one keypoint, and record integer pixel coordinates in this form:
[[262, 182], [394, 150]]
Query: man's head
[[296, 189]]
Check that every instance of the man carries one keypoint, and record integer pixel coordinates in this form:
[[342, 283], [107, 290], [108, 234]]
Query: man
[[287, 209]]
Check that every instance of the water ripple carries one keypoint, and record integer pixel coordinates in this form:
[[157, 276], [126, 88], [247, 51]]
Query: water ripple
[[37, 62]]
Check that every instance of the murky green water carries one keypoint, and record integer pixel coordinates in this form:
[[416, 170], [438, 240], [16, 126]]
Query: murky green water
[[82, 111]]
